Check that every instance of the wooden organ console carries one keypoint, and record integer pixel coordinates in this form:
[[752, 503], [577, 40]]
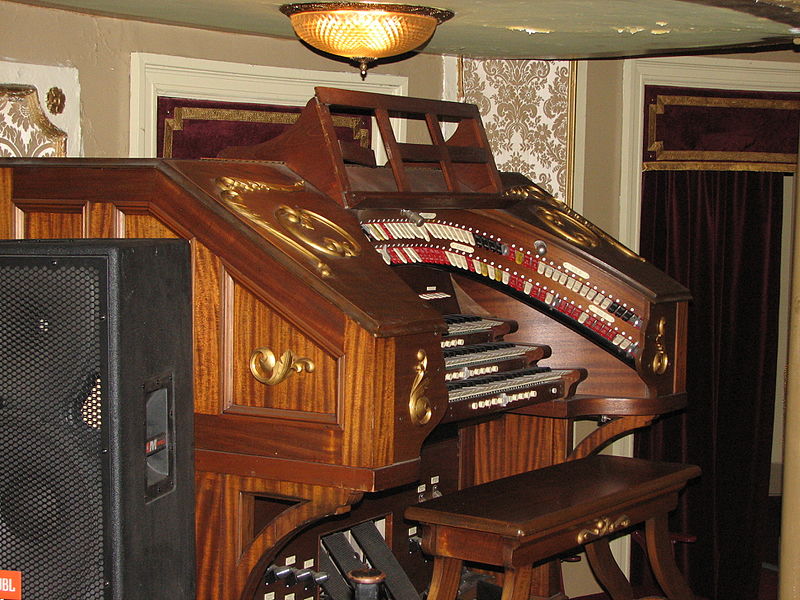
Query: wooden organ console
[[366, 337]]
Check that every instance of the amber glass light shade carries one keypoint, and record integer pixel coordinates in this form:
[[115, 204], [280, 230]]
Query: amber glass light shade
[[364, 31]]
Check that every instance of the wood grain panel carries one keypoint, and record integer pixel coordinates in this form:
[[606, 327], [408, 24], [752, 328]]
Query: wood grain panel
[[145, 225], [368, 394], [6, 205], [102, 220], [255, 325], [51, 224], [514, 444], [207, 294], [227, 565]]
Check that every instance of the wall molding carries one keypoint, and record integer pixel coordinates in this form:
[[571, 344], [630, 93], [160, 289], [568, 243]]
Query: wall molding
[[701, 72], [154, 75]]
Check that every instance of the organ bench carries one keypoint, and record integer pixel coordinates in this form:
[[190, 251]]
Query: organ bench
[[520, 520]]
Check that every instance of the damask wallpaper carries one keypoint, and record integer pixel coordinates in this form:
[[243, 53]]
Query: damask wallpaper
[[24, 128], [526, 107]]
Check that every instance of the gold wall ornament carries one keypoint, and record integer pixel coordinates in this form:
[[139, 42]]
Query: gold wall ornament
[[419, 407], [55, 100], [603, 526], [660, 362], [270, 370], [229, 193]]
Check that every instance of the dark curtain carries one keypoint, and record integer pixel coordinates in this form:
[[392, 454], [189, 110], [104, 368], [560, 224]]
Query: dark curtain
[[718, 233]]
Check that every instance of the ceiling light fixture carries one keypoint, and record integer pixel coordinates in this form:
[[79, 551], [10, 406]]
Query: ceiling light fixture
[[364, 31]]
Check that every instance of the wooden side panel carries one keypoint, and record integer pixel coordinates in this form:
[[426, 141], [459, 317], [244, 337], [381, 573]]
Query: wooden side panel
[[367, 420], [207, 320], [145, 225], [45, 222], [102, 220], [254, 326], [514, 444], [6, 206], [227, 561]]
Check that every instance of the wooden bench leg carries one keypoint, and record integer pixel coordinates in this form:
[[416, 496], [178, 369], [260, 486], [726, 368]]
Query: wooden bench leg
[[446, 578], [607, 571], [517, 583], [662, 560]]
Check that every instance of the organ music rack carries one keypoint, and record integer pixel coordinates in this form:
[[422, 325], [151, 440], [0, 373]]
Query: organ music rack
[[320, 285]]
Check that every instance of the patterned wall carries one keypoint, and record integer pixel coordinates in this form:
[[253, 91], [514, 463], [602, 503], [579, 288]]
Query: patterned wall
[[526, 109], [25, 129]]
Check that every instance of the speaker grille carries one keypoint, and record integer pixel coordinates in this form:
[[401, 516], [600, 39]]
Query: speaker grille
[[52, 338]]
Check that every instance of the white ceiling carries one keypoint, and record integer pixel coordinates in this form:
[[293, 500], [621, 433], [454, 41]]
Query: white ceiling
[[517, 28]]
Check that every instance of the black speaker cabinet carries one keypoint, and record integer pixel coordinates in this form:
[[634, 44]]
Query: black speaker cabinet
[[96, 473]]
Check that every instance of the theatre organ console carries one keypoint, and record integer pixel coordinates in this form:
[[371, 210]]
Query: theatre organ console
[[370, 336]]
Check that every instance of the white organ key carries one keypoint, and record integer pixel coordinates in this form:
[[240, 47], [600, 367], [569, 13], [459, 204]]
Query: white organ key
[[423, 232], [377, 232], [397, 233], [413, 254], [411, 231], [528, 287], [506, 277]]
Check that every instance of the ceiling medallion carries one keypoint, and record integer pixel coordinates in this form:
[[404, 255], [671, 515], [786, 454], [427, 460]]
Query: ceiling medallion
[[364, 31]]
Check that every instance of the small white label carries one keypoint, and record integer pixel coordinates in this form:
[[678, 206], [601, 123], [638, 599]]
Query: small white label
[[308, 563], [578, 271], [462, 247], [290, 560], [606, 316]]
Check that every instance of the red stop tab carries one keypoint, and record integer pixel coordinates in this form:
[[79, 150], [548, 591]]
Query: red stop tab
[[11, 585]]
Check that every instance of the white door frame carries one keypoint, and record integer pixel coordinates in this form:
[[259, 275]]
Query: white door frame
[[717, 73], [703, 72], [154, 75]]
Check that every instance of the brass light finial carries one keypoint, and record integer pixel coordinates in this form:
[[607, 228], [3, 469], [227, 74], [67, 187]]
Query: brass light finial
[[364, 31]]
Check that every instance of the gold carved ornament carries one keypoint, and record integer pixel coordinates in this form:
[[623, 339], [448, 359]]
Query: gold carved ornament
[[660, 362], [419, 407], [603, 526], [271, 370], [308, 229], [565, 222]]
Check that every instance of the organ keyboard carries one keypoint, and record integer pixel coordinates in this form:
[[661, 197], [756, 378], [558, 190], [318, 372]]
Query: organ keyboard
[[332, 385], [486, 375]]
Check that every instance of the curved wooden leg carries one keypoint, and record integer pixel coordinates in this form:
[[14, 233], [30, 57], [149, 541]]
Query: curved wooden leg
[[517, 583], [445, 579], [662, 560], [607, 571]]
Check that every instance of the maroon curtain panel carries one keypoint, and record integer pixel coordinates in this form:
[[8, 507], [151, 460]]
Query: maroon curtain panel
[[718, 233]]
